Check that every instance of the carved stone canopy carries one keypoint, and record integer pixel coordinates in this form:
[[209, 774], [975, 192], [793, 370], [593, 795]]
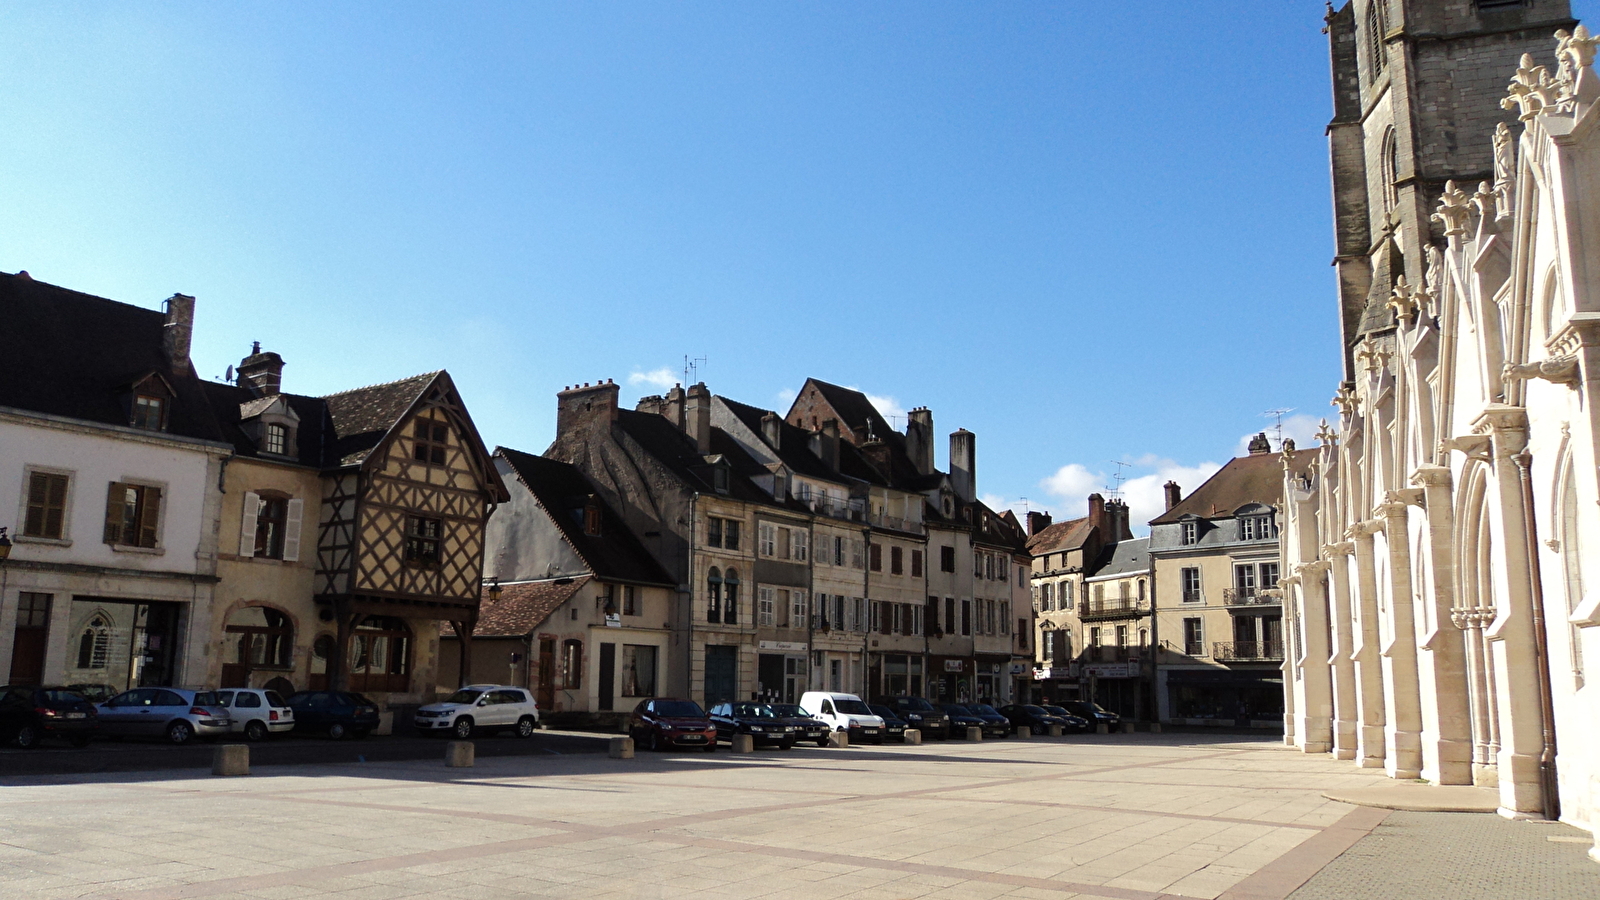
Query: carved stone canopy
[[1532, 91], [1455, 208]]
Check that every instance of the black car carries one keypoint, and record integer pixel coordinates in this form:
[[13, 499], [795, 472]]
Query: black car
[[806, 728], [29, 714], [755, 719], [1075, 724], [921, 714], [994, 724], [1033, 718], [337, 714], [665, 722], [960, 720], [894, 727], [1092, 711]]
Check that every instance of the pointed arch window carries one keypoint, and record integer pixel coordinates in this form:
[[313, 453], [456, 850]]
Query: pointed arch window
[[1389, 170], [1375, 50], [94, 644]]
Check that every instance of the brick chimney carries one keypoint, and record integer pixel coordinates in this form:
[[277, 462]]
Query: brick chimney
[[877, 453], [1259, 444], [964, 464], [261, 373], [1117, 521], [919, 439], [586, 406], [1173, 492], [178, 332], [1037, 522], [697, 417], [825, 444], [673, 408], [1097, 514], [772, 430]]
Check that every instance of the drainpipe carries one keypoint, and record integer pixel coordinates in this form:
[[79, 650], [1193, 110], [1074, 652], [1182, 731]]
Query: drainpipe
[[688, 607], [1549, 796]]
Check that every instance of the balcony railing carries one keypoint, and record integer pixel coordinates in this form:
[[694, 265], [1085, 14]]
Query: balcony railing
[[1252, 597], [896, 523], [1117, 608], [1247, 650], [835, 507]]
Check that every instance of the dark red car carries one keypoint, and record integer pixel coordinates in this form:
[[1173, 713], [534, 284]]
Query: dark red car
[[29, 713], [663, 722]]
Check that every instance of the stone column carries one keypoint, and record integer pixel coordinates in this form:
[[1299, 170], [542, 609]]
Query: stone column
[[1342, 653], [1447, 745], [1315, 719], [1370, 745], [1471, 621], [1406, 760]]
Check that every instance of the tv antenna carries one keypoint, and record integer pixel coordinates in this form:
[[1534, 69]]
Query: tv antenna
[[1115, 489], [1276, 415], [691, 368]]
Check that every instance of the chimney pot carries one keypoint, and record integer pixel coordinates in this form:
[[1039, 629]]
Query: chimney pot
[[261, 373], [964, 464], [177, 333], [1173, 492], [697, 417]]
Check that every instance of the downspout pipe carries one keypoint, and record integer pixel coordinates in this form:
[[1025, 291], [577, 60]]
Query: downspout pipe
[[1549, 789]]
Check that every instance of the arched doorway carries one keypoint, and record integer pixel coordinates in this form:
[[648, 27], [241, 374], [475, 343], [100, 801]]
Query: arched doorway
[[255, 637]]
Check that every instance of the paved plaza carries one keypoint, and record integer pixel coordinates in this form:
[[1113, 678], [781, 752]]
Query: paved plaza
[[1132, 817]]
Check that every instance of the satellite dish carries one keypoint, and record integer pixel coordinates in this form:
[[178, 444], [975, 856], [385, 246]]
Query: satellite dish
[[229, 376]]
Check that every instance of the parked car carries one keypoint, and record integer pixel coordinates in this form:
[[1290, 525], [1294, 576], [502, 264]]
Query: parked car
[[846, 713], [665, 722], [894, 727], [256, 713], [1033, 718], [755, 719], [94, 693], [338, 714], [960, 719], [1075, 724], [29, 714], [1094, 712], [178, 714], [480, 707], [806, 726], [919, 713], [994, 724]]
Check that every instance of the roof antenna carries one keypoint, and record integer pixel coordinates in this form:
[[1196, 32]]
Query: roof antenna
[[691, 368], [1116, 490], [1277, 416]]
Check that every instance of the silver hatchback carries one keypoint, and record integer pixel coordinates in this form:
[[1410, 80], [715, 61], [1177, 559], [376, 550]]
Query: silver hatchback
[[177, 714]]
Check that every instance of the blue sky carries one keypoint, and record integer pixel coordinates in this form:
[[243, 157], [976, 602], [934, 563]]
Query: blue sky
[[1087, 232]]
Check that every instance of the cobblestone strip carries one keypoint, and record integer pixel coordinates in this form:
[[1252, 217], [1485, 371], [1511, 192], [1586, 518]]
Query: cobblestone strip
[[1279, 878]]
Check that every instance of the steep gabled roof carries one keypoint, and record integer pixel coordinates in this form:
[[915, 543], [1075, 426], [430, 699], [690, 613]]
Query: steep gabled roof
[[1123, 558], [855, 411], [363, 417], [677, 452], [794, 443], [615, 554], [523, 607], [1068, 535], [1257, 478]]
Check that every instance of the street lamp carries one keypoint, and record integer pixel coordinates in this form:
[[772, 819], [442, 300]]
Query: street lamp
[[494, 591]]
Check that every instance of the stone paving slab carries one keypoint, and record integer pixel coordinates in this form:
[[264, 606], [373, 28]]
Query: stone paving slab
[[1126, 817], [1419, 797]]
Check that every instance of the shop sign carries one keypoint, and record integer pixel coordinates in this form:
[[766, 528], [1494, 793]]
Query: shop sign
[[1041, 674], [1019, 668], [1106, 670], [954, 665], [782, 646], [613, 620]]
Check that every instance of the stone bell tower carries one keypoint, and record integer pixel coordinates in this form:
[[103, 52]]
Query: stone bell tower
[[1417, 86]]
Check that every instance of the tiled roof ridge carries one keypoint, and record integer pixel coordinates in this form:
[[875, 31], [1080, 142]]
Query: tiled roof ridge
[[381, 384], [84, 294]]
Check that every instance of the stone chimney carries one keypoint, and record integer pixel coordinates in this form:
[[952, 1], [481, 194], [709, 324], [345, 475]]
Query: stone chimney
[[825, 444], [177, 333], [877, 453], [261, 373], [1173, 492], [1037, 522], [673, 408], [772, 430], [1259, 444], [1117, 521], [964, 464], [919, 439], [655, 405], [586, 406], [1097, 514], [697, 417]]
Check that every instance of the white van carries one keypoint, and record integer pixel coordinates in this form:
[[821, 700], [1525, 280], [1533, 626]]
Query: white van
[[844, 712]]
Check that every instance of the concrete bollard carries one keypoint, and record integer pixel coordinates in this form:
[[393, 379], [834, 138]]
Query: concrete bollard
[[1057, 730], [459, 754], [1127, 728], [622, 748], [231, 759], [1155, 727], [913, 735], [1100, 728], [385, 723], [1024, 732], [974, 733], [839, 740], [743, 743]]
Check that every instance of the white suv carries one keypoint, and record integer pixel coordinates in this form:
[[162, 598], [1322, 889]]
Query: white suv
[[480, 707]]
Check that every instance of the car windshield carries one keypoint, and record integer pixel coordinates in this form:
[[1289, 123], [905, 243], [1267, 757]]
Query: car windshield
[[62, 697], [1036, 710], [983, 709], [683, 709], [790, 710], [1055, 710], [206, 698], [464, 696], [883, 711], [753, 711], [915, 703], [954, 710], [855, 707]]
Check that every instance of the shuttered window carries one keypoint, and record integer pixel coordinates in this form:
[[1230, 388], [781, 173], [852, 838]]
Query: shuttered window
[[47, 505], [133, 514]]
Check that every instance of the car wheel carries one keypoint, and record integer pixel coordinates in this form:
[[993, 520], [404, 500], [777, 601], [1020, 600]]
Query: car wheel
[[526, 726], [711, 747], [255, 730], [180, 732], [822, 742], [337, 731], [27, 737], [786, 745], [463, 727], [1038, 729]]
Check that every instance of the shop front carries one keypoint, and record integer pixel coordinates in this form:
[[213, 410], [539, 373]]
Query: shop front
[[781, 672], [991, 681], [121, 644], [1240, 698], [952, 679], [1053, 684]]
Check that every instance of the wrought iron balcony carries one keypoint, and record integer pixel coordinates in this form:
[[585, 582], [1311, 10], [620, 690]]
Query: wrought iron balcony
[[1249, 651], [835, 507], [1116, 608], [1252, 597]]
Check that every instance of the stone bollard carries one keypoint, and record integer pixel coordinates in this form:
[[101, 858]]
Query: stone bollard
[[1057, 730], [459, 754], [231, 759], [385, 723], [1100, 728], [839, 740], [974, 733], [1024, 732], [1127, 728], [622, 748], [913, 735], [743, 743], [1155, 727]]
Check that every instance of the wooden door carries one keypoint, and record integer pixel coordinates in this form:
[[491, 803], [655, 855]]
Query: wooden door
[[607, 683], [32, 635], [722, 673], [547, 674]]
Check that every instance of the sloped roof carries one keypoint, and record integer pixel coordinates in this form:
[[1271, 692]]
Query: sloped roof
[[1068, 535], [675, 450], [1123, 558], [854, 409], [523, 607], [794, 443], [1257, 478], [75, 355], [231, 404], [363, 417], [615, 554]]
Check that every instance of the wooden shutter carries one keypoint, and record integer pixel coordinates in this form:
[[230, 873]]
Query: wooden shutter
[[291, 529], [116, 497], [247, 527], [149, 515]]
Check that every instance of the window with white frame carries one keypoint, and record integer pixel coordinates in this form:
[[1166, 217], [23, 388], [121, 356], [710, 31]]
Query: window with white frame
[[797, 608], [800, 545], [769, 539], [1256, 528], [766, 607], [1194, 643], [1066, 595], [1191, 532], [1269, 576], [1189, 577]]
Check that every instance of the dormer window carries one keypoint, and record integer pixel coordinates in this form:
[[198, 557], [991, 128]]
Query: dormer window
[[719, 478], [149, 412], [591, 517], [1191, 532], [1256, 528], [276, 439]]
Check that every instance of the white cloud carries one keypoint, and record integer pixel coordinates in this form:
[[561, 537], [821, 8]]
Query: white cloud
[[890, 409], [1302, 429], [663, 378], [787, 395], [1144, 493]]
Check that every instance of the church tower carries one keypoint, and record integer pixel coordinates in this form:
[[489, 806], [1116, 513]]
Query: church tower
[[1417, 86]]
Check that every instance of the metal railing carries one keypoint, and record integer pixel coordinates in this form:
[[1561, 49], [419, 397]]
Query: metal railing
[[1252, 597], [835, 507], [1247, 650], [895, 522], [1116, 608]]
